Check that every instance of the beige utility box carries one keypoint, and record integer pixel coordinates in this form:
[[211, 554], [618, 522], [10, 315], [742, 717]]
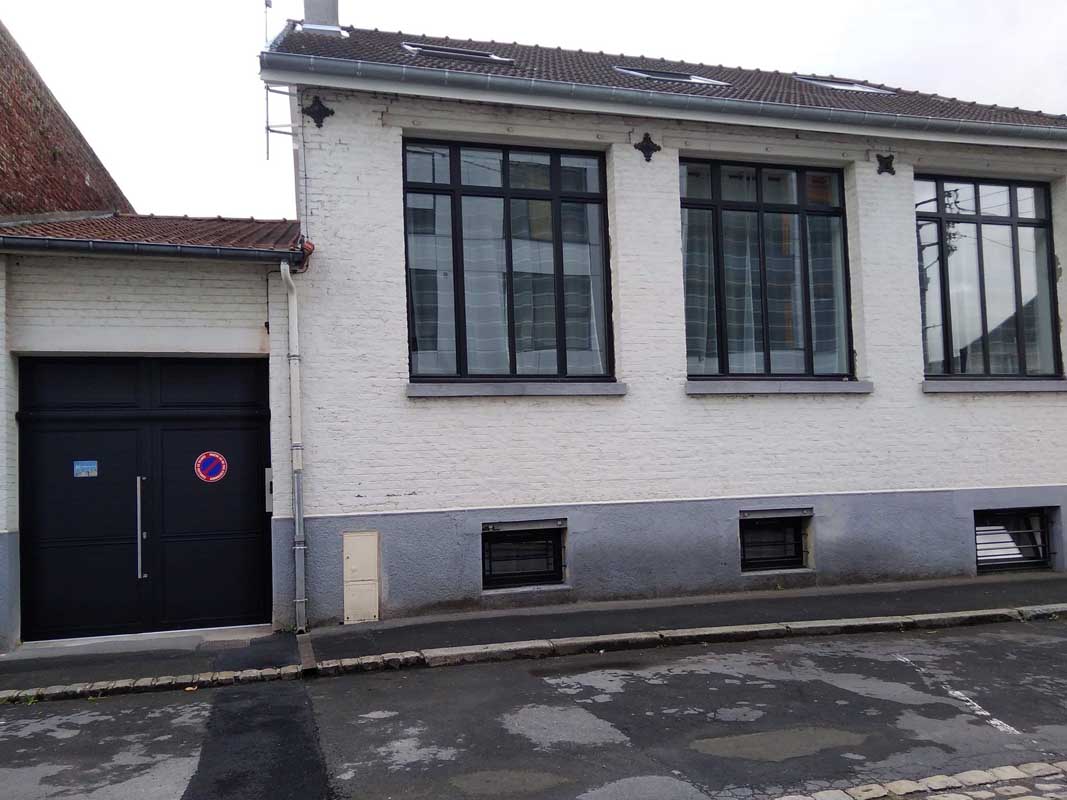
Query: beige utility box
[[361, 576]]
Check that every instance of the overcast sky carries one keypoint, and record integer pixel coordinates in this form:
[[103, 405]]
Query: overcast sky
[[167, 91]]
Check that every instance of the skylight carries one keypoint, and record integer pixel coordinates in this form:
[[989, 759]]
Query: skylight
[[848, 86], [439, 51], [661, 75]]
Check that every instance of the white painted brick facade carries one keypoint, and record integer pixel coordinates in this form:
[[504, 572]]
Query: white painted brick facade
[[112, 305], [370, 448]]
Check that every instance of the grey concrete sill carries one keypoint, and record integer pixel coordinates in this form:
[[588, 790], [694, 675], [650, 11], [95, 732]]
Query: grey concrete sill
[[778, 387], [517, 389], [547, 587], [756, 573], [993, 386]]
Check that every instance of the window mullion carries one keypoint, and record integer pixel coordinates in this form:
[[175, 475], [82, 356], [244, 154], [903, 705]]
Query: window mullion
[[946, 305], [460, 301], [982, 298], [809, 311], [761, 253], [1020, 327], [557, 259], [509, 276]]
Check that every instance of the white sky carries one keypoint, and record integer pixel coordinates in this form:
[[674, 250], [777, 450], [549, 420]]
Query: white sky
[[167, 91]]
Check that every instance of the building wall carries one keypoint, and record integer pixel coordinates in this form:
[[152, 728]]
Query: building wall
[[427, 472], [60, 304], [114, 306], [656, 442], [45, 163]]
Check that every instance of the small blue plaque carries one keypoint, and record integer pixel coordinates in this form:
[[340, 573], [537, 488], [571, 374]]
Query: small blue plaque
[[85, 469]]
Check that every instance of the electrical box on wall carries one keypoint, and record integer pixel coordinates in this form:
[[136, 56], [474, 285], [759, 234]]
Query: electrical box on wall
[[360, 575]]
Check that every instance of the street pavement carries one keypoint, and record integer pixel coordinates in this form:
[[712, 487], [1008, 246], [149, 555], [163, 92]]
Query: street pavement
[[744, 721]]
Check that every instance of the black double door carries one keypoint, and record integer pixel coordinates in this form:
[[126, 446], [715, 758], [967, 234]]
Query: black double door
[[143, 499]]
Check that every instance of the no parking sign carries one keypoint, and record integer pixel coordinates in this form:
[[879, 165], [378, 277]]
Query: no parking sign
[[210, 467]]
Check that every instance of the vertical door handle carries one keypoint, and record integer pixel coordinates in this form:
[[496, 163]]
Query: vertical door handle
[[141, 535]]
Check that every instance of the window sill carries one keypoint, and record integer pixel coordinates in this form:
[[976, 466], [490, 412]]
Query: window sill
[[777, 387], [755, 573], [993, 386], [517, 389], [538, 587]]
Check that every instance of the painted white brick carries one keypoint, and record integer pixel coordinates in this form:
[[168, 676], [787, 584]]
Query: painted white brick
[[102, 305], [370, 448]]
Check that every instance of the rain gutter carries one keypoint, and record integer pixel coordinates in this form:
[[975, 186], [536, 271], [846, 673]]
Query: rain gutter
[[107, 247]]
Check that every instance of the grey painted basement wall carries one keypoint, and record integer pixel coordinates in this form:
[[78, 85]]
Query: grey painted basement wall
[[431, 561]]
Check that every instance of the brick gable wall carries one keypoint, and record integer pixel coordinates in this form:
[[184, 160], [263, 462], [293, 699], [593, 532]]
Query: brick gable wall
[[45, 163]]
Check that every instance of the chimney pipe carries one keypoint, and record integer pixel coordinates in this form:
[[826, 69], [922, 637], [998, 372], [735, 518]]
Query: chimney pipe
[[320, 16]]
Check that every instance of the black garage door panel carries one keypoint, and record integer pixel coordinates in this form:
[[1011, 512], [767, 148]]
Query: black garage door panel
[[208, 524], [205, 555]]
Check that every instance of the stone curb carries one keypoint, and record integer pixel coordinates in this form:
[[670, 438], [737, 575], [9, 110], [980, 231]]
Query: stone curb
[[537, 648], [946, 784]]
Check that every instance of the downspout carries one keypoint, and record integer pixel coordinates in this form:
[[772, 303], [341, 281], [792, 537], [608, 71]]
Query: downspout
[[296, 448]]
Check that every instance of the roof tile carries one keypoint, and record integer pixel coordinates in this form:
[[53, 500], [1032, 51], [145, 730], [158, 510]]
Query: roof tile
[[253, 234], [597, 69]]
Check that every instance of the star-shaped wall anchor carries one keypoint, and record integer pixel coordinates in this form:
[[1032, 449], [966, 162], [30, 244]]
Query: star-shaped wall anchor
[[647, 147], [317, 111]]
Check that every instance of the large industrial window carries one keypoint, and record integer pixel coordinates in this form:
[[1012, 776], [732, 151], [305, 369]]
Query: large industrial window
[[1014, 538], [522, 553], [507, 263], [766, 272], [774, 539], [987, 292]]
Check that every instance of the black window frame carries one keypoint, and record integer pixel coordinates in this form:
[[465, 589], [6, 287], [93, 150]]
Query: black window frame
[[551, 530], [803, 209], [1017, 565], [456, 190], [799, 522], [940, 217]]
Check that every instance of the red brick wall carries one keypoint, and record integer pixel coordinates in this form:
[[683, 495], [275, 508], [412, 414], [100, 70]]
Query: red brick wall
[[45, 163]]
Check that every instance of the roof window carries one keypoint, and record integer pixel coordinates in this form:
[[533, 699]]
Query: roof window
[[848, 86], [677, 77], [439, 51]]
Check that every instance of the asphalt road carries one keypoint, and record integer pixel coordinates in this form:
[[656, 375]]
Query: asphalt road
[[745, 721]]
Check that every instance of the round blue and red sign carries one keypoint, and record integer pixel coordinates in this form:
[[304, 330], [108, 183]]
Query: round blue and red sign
[[210, 467]]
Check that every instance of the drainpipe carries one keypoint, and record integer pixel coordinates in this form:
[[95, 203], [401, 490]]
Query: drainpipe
[[296, 447]]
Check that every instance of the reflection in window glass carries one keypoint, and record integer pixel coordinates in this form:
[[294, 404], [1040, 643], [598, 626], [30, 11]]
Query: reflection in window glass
[[959, 198], [823, 189], [530, 171], [533, 287], [1031, 202], [695, 181], [965, 298], [995, 200], [579, 173], [484, 286], [779, 186], [481, 167], [744, 291], [925, 196], [930, 297], [430, 282], [829, 296], [1036, 301], [584, 289], [738, 183], [701, 324], [427, 163], [1000, 298], [785, 292], [998, 266]]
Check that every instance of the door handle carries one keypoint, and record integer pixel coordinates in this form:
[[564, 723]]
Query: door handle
[[141, 533]]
